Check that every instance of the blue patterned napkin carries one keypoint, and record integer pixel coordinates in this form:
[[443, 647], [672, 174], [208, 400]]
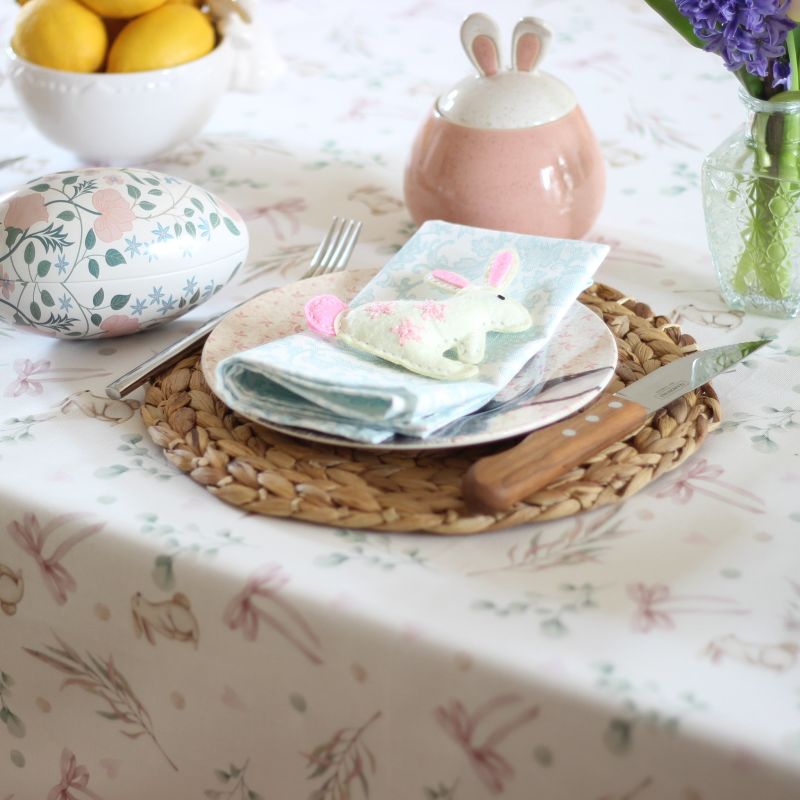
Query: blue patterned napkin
[[308, 381]]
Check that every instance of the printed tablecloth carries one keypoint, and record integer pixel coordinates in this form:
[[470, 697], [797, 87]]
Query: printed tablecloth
[[157, 643]]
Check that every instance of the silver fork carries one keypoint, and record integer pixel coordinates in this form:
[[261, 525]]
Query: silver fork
[[332, 255]]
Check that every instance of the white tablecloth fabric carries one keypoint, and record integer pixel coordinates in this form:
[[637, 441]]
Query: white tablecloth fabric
[[168, 646]]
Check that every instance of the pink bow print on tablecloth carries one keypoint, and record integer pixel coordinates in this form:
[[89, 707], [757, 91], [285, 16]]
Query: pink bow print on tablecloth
[[266, 584], [701, 477], [30, 376], [32, 537], [656, 606], [25, 383], [74, 778], [492, 769]]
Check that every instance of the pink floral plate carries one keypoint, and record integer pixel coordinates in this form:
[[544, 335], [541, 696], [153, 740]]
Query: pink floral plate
[[577, 365]]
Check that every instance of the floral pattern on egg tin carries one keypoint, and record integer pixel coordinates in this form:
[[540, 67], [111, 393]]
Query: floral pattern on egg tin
[[108, 252]]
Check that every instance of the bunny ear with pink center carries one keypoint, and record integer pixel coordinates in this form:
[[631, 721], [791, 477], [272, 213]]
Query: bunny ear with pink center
[[529, 43], [450, 281], [480, 37], [502, 269]]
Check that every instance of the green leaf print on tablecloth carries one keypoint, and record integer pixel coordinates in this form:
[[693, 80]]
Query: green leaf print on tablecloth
[[235, 785], [189, 539], [343, 762], [372, 550], [636, 711], [140, 458], [552, 611], [764, 426], [14, 725], [101, 678]]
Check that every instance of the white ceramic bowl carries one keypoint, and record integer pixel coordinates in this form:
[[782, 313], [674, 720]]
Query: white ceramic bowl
[[122, 118]]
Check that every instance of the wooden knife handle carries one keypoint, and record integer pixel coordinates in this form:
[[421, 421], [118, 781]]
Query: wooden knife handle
[[496, 482]]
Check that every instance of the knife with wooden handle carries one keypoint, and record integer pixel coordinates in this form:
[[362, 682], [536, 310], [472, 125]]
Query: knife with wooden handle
[[497, 482]]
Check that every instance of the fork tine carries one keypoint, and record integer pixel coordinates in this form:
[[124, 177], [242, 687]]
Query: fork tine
[[344, 256], [324, 244], [344, 248], [342, 243], [321, 259]]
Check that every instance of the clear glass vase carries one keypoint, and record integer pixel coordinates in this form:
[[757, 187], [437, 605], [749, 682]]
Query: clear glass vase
[[751, 199]]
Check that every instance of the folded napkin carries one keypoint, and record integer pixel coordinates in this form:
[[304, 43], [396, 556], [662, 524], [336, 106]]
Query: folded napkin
[[309, 381]]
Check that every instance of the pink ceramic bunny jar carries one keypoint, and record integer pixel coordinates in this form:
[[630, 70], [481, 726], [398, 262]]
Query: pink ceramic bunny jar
[[507, 149], [417, 333]]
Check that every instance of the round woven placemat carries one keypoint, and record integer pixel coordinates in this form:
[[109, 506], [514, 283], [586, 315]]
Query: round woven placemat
[[265, 472]]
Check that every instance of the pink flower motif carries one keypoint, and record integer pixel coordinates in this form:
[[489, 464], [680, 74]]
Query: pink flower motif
[[24, 211], [116, 216], [119, 325], [376, 310], [74, 778], [432, 310], [25, 384], [6, 284], [406, 331]]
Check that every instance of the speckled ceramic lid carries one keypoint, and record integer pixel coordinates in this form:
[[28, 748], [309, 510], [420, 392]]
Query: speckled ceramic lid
[[520, 97]]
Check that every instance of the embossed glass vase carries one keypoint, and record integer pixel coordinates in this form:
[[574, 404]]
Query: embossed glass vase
[[751, 199]]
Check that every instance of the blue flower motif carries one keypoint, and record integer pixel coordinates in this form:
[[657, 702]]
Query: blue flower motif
[[65, 302], [161, 232], [191, 285], [61, 264], [170, 179], [132, 246], [148, 253], [204, 227], [167, 305], [157, 295], [208, 289], [138, 307]]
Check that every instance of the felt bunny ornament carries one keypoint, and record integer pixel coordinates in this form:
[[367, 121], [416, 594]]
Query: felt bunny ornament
[[416, 334]]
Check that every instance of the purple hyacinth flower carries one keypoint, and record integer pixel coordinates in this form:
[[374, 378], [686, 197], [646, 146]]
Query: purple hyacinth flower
[[746, 33], [781, 72]]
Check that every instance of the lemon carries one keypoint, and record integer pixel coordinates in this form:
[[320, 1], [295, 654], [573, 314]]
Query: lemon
[[166, 37], [61, 34], [122, 9]]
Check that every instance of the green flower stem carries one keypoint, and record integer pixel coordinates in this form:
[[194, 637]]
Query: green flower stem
[[765, 266]]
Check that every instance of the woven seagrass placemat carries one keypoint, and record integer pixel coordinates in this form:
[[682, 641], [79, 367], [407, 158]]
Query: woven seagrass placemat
[[265, 472]]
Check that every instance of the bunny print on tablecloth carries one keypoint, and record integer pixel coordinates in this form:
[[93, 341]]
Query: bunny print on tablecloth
[[416, 334]]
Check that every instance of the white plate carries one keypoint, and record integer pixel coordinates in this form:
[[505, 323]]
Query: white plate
[[582, 344]]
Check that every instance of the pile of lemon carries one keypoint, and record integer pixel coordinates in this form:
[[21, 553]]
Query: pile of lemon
[[112, 35]]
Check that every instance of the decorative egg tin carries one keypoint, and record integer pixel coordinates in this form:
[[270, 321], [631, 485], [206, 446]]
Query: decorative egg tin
[[107, 252]]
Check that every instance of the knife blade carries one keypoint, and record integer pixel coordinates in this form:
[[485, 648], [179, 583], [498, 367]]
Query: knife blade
[[497, 482]]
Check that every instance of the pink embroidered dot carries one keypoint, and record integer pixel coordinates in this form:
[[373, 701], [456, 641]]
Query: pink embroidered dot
[[406, 331], [432, 310], [376, 310]]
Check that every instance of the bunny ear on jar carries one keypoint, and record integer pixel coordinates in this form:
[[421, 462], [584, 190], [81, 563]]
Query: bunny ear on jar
[[529, 43], [480, 37]]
